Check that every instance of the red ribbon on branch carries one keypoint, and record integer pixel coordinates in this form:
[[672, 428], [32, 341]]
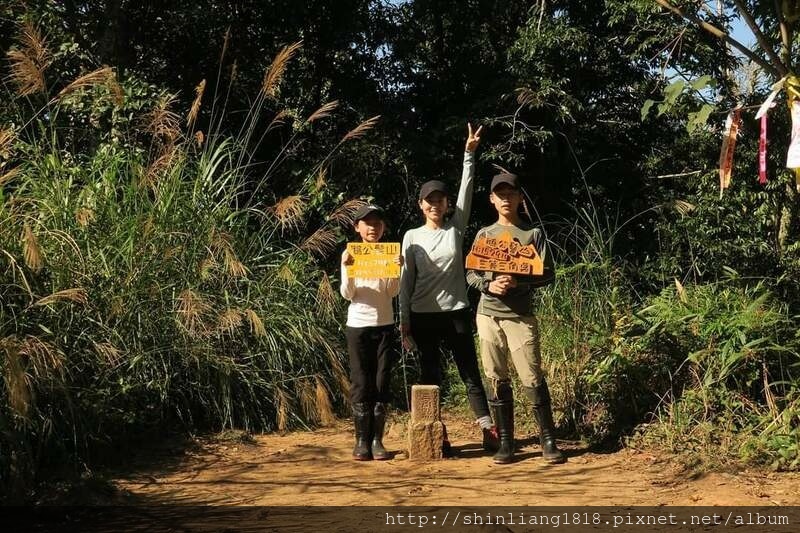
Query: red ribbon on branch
[[762, 151]]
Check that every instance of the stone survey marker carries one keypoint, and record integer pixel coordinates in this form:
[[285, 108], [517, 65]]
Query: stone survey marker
[[425, 429], [504, 255], [374, 259]]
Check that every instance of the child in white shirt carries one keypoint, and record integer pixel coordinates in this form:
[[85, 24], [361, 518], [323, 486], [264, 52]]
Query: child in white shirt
[[371, 341]]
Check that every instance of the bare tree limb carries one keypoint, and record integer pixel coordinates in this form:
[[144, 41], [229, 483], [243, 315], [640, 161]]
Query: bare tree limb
[[783, 70], [715, 31], [678, 175]]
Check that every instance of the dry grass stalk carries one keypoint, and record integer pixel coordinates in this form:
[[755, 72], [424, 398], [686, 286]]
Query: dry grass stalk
[[162, 122], [77, 295], [256, 325], [343, 381], [229, 320], [198, 99], [162, 164], [308, 401], [28, 78], [527, 97], [362, 129], [30, 249], [324, 111], [282, 409], [273, 75], [327, 296], [29, 62], [321, 180], [321, 243], [117, 306], [44, 359], [289, 211], [234, 71], [233, 266], [148, 226], [8, 176], [102, 76], [681, 291], [277, 120], [219, 241], [172, 251], [285, 273], [323, 403], [221, 245], [225, 42], [683, 207], [109, 352], [115, 89], [16, 379], [206, 266], [33, 42], [6, 139], [768, 394], [84, 216], [191, 309], [343, 215]]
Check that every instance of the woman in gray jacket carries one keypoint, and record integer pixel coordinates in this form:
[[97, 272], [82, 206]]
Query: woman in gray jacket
[[434, 308]]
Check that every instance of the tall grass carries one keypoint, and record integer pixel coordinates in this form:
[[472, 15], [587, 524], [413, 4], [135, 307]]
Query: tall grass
[[581, 321], [142, 281], [734, 396], [710, 369]]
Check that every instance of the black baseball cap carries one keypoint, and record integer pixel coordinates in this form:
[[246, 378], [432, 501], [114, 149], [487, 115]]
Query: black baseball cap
[[505, 178], [430, 187], [368, 209]]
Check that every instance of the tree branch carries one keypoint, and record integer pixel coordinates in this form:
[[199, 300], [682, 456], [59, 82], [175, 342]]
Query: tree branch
[[715, 31], [762, 40], [786, 38]]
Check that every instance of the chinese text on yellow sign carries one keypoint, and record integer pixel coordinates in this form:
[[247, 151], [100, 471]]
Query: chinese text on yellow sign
[[374, 259]]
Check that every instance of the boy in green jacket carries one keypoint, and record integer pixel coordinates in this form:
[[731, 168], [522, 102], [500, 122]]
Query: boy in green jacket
[[507, 325]]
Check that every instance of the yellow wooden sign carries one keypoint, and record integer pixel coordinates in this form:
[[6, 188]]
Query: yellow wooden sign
[[374, 259], [504, 255]]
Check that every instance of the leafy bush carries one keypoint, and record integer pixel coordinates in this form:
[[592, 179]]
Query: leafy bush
[[734, 394]]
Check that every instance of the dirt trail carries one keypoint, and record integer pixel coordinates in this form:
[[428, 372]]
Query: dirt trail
[[315, 468]]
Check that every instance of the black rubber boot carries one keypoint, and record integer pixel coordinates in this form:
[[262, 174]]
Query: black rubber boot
[[447, 449], [540, 398], [362, 419], [379, 453], [503, 415]]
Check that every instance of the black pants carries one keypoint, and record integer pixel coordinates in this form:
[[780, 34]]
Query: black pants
[[454, 330], [373, 351]]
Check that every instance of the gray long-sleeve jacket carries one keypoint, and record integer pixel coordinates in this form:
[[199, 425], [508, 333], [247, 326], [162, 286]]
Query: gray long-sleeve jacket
[[432, 279]]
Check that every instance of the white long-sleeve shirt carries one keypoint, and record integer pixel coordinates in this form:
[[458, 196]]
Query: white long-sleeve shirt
[[370, 300], [433, 271]]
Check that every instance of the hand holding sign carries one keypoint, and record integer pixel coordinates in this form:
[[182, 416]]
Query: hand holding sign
[[374, 260], [504, 255], [347, 258]]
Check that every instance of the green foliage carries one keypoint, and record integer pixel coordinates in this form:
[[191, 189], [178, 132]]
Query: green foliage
[[734, 393], [142, 289], [173, 248]]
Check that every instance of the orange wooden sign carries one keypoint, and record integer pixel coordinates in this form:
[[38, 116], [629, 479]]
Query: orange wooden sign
[[504, 255], [374, 259]]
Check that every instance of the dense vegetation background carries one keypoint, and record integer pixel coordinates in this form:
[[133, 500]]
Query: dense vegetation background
[[176, 180]]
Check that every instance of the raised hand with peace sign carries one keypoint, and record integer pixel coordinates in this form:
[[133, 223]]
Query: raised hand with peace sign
[[473, 138]]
